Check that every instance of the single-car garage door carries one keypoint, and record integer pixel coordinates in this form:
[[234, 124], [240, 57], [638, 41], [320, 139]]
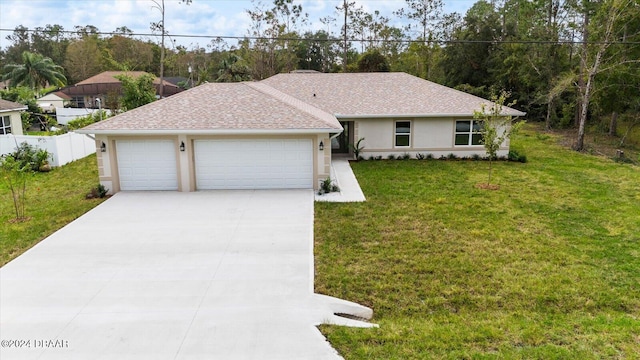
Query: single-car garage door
[[147, 164], [254, 164]]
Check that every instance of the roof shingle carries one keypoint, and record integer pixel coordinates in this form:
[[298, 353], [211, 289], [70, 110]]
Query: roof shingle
[[378, 94], [6, 105], [222, 106]]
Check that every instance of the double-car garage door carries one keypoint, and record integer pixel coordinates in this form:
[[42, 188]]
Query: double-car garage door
[[218, 164]]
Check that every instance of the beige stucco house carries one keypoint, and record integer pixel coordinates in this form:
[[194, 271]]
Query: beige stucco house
[[281, 132], [10, 120], [51, 101]]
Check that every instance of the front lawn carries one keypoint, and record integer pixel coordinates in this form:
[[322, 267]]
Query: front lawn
[[548, 266], [53, 200]]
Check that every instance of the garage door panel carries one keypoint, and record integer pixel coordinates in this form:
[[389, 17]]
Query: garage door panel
[[147, 164], [254, 164]]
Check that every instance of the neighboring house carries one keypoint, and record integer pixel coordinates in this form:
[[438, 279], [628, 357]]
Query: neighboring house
[[10, 120], [180, 81], [280, 132], [85, 93], [51, 101]]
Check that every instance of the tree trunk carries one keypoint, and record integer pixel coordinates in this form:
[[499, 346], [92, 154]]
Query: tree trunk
[[549, 111], [344, 56], [613, 125]]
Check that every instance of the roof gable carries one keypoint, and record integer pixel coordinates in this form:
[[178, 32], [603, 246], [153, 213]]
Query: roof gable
[[378, 94]]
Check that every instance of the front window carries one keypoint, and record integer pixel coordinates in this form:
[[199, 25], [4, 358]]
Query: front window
[[5, 125], [403, 133], [468, 132]]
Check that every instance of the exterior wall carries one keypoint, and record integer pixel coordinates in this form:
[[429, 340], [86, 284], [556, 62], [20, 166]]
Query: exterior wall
[[54, 100], [108, 161], [434, 136], [16, 121]]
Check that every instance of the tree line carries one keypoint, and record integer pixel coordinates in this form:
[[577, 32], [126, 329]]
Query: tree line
[[564, 61]]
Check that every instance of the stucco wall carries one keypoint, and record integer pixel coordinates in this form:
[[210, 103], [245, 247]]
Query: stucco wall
[[434, 136], [16, 121]]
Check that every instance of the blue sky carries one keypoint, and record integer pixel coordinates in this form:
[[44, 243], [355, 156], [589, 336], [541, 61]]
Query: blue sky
[[202, 17]]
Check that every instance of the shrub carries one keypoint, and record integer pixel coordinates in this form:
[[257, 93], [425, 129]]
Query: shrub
[[429, 156], [98, 192], [476, 157], [30, 157], [391, 157], [515, 156], [405, 156], [327, 186], [87, 120], [419, 156], [452, 156]]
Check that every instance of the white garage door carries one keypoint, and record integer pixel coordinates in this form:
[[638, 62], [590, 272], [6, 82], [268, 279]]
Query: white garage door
[[147, 164], [254, 164]]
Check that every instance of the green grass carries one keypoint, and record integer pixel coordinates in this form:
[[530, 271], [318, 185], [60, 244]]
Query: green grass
[[546, 267], [53, 200]]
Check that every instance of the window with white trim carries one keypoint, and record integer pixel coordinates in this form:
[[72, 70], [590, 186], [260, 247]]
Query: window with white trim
[[402, 134], [468, 132], [5, 125]]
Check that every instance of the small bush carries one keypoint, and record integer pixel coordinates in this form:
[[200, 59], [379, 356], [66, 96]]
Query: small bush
[[87, 120], [379, 157], [30, 156], [405, 156], [429, 156], [420, 156], [98, 192], [476, 157], [442, 157], [514, 155], [327, 186], [452, 156], [371, 158], [391, 157]]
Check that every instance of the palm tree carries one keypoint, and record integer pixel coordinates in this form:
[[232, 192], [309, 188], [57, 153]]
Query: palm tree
[[233, 69], [35, 72]]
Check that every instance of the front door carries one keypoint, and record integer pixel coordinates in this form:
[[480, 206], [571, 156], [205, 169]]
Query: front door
[[342, 143]]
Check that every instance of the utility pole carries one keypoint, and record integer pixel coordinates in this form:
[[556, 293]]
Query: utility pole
[[160, 6]]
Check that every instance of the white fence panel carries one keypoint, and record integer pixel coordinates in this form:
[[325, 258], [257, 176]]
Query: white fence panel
[[63, 148]]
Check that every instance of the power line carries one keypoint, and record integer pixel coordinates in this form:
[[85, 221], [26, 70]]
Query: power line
[[407, 41]]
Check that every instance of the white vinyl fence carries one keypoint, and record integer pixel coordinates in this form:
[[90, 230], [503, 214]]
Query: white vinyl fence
[[63, 148]]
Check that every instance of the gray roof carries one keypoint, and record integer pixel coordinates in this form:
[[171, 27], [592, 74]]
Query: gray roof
[[222, 107], [379, 94], [6, 105]]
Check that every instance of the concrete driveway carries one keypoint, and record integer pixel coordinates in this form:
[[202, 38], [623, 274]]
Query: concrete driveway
[[167, 275]]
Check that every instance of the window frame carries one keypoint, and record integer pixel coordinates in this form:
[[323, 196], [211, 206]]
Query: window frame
[[396, 133], [5, 123], [470, 133]]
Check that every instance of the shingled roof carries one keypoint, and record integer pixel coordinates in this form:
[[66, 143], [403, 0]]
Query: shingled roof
[[108, 77], [379, 94], [6, 105], [221, 107]]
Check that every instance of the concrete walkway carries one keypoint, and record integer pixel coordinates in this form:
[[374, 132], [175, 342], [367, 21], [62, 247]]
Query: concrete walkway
[[168, 275], [342, 175]]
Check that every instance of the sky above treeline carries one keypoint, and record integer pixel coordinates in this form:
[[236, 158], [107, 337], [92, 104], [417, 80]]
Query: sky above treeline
[[202, 17]]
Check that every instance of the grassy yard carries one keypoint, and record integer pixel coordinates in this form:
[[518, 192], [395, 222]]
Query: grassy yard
[[53, 200], [547, 267]]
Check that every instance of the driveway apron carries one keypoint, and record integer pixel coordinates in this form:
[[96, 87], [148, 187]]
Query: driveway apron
[[168, 275]]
